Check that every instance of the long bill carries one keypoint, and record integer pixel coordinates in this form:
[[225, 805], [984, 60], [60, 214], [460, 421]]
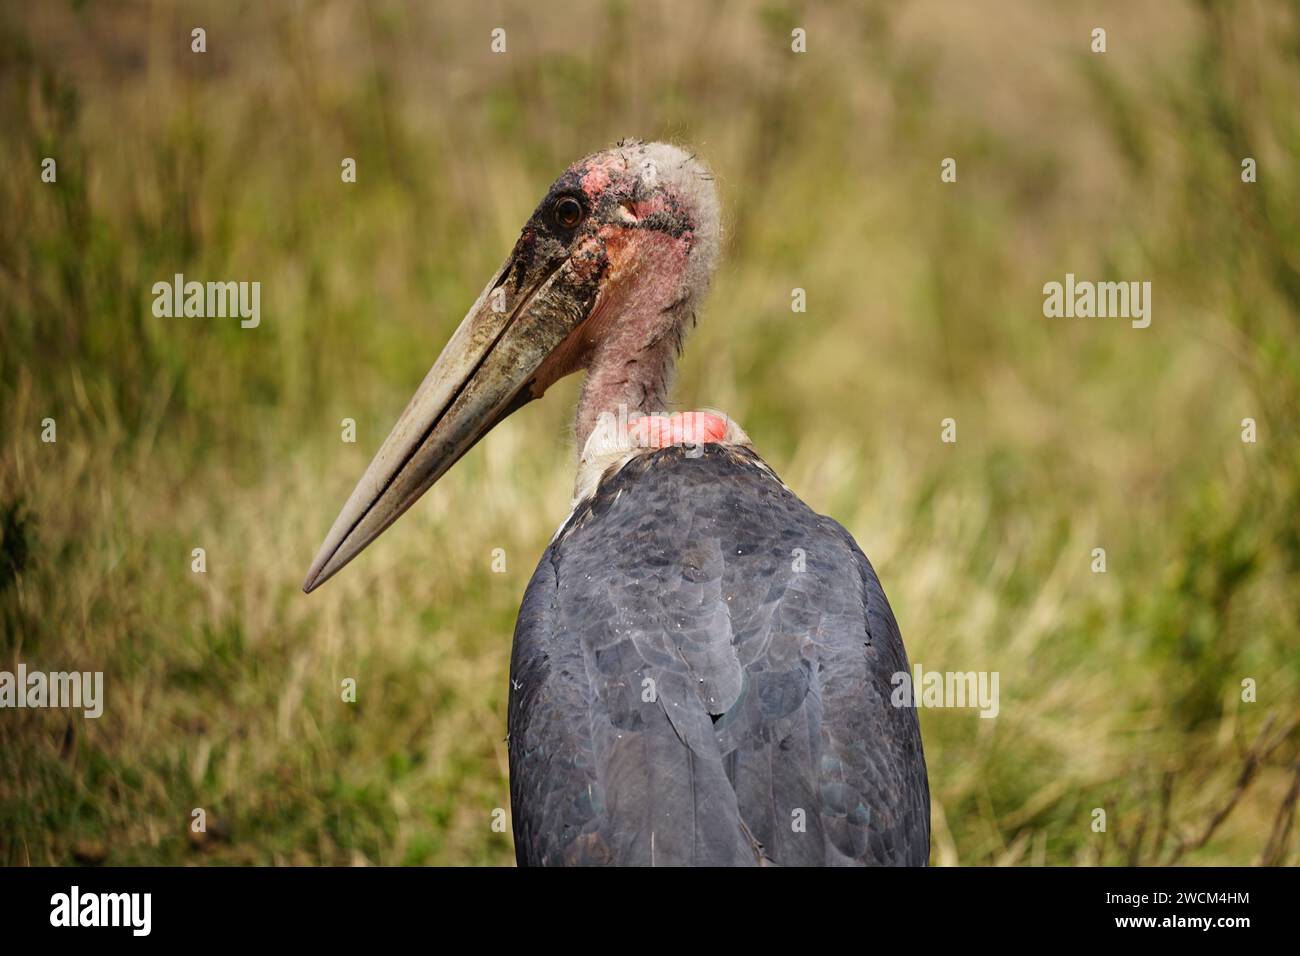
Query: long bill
[[487, 370]]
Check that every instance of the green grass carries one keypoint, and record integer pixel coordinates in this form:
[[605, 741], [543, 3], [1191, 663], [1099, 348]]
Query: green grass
[[1119, 690]]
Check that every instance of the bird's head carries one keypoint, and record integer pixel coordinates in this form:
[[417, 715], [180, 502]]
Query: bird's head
[[615, 258]]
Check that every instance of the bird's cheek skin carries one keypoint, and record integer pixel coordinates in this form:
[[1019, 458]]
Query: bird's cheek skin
[[588, 260], [646, 265], [656, 204]]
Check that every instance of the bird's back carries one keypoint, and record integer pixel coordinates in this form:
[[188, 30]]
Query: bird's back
[[702, 676]]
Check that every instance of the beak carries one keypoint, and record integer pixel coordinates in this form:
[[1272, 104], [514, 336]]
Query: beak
[[487, 371]]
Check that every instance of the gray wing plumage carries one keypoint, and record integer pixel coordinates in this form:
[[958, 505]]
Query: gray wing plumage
[[702, 675]]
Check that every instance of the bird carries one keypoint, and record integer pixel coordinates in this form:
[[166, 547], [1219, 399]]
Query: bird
[[705, 671]]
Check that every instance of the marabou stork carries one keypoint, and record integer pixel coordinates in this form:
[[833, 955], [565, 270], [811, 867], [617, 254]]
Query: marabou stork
[[703, 667]]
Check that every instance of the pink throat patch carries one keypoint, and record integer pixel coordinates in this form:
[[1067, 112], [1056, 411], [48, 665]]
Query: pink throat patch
[[682, 428]]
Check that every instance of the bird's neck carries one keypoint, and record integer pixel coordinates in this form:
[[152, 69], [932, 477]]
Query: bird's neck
[[629, 374], [639, 326]]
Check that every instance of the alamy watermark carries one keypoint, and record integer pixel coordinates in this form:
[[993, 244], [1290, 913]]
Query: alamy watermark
[[629, 431], [1085, 299], [75, 908], [61, 689], [209, 300], [941, 689]]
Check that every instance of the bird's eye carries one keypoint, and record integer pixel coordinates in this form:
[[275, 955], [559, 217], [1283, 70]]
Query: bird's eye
[[567, 212]]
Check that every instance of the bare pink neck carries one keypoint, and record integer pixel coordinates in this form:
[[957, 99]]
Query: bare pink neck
[[625, 379], [638, 334]]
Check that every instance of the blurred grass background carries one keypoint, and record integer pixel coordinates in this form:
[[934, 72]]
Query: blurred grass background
[[1119, 690]]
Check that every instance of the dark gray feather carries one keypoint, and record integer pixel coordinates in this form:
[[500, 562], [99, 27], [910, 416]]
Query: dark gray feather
[[682, 694]]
